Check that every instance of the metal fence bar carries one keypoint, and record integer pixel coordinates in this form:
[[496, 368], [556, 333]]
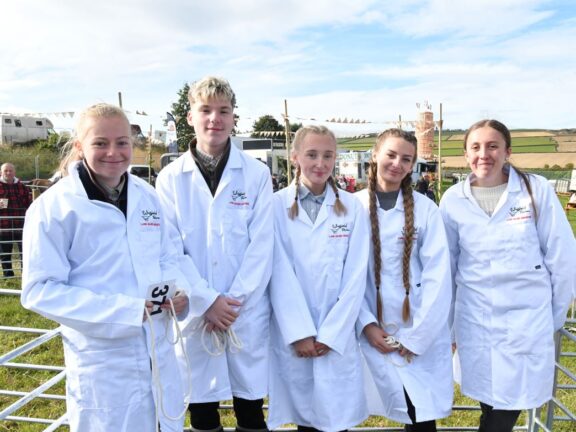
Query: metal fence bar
[[34, 367], [57, 423], [24, 329], [31, 395], [10, 291], [29, 346], [534, 422], [42, 396]]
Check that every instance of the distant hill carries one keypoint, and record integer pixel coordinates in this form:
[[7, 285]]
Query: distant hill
[[530, 148]]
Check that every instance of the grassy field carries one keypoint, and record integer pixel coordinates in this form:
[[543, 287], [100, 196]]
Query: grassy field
[[452, 145], [12, 314]]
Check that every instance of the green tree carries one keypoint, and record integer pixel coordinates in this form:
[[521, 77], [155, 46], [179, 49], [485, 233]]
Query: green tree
[[180, 109], [295, 126], [266, 123]]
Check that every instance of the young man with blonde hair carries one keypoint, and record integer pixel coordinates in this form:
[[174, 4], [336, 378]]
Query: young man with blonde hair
[[218, 203]]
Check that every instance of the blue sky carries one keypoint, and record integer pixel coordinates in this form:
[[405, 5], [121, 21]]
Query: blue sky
[[514, 60]]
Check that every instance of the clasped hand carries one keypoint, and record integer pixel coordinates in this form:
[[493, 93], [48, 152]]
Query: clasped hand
[[222, 313], [179, 302], [309, 347], [377, 337]]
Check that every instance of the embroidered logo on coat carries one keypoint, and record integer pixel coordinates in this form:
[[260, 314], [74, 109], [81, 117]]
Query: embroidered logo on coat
[[339, 230], [403, 234], [149, 218], [519, 211], [239, 198]]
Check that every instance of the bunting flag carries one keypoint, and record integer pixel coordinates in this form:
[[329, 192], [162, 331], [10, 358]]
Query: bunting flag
[[64, 114], [271, 133]]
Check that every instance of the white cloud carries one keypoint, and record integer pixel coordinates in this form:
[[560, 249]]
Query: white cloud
[[482, 57], [469, 17]]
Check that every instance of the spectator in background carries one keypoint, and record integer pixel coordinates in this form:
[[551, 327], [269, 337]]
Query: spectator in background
[[351, 184], [14, 200], [275, 183], [423, 184]]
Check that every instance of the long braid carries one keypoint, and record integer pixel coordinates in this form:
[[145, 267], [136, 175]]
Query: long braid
[[375, 234], [339, 207], [408, 200], [293, 212]]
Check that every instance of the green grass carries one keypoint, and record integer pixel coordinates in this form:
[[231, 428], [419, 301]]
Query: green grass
[[13, 314], [454, 147]]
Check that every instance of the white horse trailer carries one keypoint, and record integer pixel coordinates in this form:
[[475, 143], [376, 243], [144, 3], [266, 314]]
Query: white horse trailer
[[16, 129]]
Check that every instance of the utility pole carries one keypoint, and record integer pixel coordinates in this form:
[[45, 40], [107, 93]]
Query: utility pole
[[287, 133], [150, 155], [440, 154], [120, 99]]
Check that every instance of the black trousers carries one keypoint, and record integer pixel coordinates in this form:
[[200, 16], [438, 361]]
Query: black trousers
[[6, 247], [426, 426], [493, 420], [249, 414]]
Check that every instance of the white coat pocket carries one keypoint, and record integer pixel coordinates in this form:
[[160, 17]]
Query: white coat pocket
[[101, 378], [235, 234]]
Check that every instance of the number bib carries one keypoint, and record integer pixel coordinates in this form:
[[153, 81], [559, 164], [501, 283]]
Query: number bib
[[158, 294]]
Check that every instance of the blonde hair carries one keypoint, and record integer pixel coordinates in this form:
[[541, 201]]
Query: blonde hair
[[408, 229], [301, 134], [70, 152], [211, 87]]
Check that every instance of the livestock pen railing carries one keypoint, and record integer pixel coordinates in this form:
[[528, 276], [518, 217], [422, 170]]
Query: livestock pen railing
[[544, 418]]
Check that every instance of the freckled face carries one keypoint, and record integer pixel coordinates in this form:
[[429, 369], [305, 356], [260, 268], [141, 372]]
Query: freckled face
[[107, 148]]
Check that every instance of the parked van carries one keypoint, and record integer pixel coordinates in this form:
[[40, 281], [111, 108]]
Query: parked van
[[15, 129], [144, 172]]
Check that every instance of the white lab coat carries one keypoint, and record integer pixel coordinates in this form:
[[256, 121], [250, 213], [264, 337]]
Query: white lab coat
[[89, 268], [229, 237], [428, 378], [317, 286], [513, 278]]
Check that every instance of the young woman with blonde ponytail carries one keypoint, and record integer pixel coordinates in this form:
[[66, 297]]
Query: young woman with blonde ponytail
[[318, 280], [94, 244], [403, 321]]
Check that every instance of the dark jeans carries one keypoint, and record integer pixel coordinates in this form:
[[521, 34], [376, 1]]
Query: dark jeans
[[493, 420], [426, 426], [6, 257], [249, 414]]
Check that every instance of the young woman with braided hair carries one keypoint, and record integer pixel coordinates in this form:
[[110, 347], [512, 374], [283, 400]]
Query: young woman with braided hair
[[318, 281], [403, 325], [512, 253]]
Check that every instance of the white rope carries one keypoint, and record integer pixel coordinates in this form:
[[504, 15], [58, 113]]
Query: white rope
[[159, 401], [392, 342], [220, 340]]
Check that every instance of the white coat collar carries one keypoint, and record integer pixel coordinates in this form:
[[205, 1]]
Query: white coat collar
[[365, 197], [329, 200], [234, 160], [134, 188], [514, 183], [291, 193]]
